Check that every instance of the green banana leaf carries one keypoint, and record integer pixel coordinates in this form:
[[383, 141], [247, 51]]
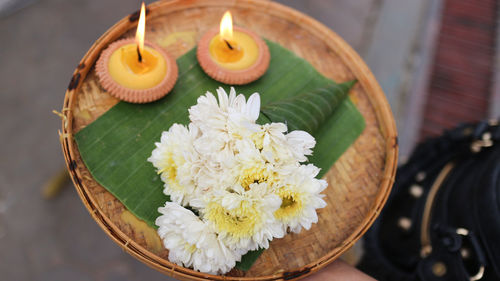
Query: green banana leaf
[[307, 111], [116, 145]]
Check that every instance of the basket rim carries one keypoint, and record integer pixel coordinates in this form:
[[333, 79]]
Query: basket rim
[[350, 58]]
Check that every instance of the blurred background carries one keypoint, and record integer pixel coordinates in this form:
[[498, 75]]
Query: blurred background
[[437, 61]]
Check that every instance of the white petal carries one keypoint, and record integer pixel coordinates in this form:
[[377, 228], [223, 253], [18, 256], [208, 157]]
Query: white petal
[[223, 99], [253, 106]]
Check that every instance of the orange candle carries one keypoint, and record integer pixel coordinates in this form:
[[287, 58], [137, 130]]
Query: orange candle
[[232, 55], [136, 70]]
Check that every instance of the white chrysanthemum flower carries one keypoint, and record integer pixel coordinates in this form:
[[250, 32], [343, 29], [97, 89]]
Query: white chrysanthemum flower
[[176, 161], [301, 143], [223, 121], [213, 173], [278, 146], [207, 115], [300, 197], [250, 167], [272, 142], [244, 219], [191, 242]]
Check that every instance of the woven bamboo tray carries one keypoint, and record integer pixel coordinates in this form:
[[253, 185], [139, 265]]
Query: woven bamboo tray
[[359, 182]]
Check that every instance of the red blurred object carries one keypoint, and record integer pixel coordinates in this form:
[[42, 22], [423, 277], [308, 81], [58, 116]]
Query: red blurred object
[[462, 74]]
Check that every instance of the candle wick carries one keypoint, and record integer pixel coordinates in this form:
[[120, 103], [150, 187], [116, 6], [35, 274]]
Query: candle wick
[[139, 54], [229, 45]]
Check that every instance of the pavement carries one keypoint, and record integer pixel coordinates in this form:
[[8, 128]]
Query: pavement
[[40, 46]]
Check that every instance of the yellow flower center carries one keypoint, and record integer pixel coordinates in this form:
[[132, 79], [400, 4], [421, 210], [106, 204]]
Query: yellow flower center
[[255, 175], [189, 247], [291, 204], [238, 222], [258, 140], [170, 169], [237, 136]]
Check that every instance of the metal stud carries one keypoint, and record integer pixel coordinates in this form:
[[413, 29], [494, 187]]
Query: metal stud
[[475, 147], [462, 231], [486, 136], [420, 176], [404, 223], [439, 269], [416, 190], [465, 253]]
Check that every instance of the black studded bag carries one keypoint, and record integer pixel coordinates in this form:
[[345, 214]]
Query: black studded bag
[[442, 219]]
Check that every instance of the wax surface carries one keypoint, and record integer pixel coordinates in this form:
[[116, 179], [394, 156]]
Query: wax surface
[[243, 55], [125, 68]]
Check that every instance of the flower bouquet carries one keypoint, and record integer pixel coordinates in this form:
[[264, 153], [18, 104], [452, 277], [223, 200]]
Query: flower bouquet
[[234, 184]]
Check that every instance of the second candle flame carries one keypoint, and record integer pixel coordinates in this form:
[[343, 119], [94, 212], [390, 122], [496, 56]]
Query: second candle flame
[[141, 29], [226, 27]]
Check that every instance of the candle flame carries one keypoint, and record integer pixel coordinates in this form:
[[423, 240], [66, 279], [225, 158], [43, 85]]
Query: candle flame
[[141, 29], [226, 27]]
